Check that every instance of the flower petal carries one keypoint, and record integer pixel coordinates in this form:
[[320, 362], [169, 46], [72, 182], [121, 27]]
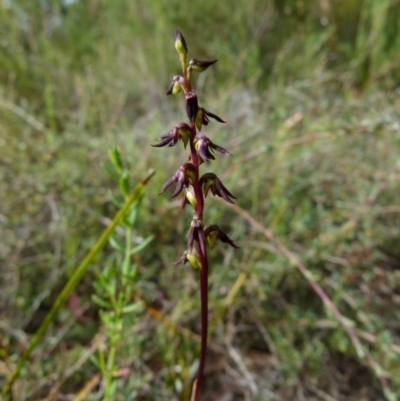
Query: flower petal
[[168, 183], [214, 116], [220, 149]]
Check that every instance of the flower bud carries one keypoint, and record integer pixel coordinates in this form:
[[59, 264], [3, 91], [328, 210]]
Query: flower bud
[[192, 106], [200, 65], [180, 43], [175, 86]]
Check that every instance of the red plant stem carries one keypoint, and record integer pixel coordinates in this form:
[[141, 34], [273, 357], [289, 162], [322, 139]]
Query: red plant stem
[[203, 271], [204, 320], [203, 255]]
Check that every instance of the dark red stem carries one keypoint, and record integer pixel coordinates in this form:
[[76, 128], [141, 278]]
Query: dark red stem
[[204, 322], [203, 272]]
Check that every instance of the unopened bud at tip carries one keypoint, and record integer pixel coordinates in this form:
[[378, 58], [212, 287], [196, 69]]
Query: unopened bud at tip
[[180, 43]]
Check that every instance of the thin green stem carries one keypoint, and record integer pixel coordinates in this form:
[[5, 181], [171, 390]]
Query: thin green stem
[[73, 281], [109, 368], [119, 300], [102, 359], [127, 257]]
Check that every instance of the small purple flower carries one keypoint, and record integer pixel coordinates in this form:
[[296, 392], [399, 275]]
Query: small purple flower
[[184, 177], [181, 131], [209, 181], [205, 147]]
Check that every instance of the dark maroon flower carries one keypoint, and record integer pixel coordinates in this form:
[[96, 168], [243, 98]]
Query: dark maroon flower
[[184, 177], [205, 147], [213, 232], [181, 131], [209, 181]]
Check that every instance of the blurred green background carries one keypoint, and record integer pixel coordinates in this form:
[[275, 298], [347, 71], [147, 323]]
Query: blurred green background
[[311, 93]]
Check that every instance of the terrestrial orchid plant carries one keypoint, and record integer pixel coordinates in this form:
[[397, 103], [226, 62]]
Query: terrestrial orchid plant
[[195, 186]]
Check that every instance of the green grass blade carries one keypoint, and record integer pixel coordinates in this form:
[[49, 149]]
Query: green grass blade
[[73, 282]]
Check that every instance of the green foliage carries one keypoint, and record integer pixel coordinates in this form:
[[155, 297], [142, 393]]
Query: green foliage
[[115, 286]]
